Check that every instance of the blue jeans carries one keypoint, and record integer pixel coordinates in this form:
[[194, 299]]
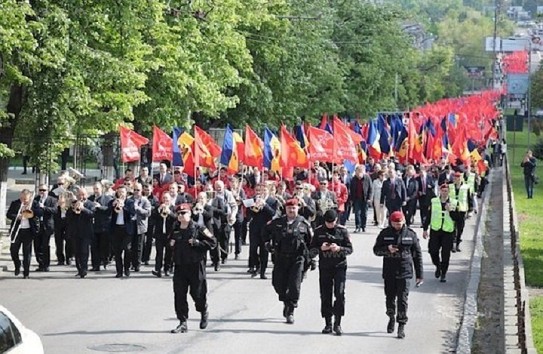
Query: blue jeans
[[529, 183], [360, 207]]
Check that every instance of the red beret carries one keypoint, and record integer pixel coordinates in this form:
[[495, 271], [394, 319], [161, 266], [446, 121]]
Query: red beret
[[458, 174], [184, 207], [292, 202], [396, 216]]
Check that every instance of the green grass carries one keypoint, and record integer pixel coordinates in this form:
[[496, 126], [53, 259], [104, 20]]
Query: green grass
[[530, 214]]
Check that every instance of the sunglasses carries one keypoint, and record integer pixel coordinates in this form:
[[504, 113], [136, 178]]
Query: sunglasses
[[43, 190], [182, 212]]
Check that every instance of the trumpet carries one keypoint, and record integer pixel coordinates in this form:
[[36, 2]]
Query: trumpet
[[76, 206], [198, 208], [119, 205], [164, 210], [259, 204]]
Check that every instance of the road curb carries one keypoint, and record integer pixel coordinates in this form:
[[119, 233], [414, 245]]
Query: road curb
[[469, 315], [518, 325]]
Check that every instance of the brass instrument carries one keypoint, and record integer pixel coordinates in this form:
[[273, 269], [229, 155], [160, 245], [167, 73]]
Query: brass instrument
[[77, 205], [259, 204], [25, 212], [164, 210], [198, 208], [119, 205]]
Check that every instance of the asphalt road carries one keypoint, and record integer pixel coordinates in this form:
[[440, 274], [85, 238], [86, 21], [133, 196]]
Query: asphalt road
[[74, 315]]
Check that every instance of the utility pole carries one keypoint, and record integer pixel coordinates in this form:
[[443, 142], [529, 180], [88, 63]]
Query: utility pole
[[528, 95], [494, 42]]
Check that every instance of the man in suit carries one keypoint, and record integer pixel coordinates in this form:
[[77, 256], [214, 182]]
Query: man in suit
[[224, 208], [393, 193], [27, 227], [163, 177], [79, 224], [47, 205], [142, 206], [164, 217], [101, 242], [412, 193], [426, 184], [182, 195], [123, 226]]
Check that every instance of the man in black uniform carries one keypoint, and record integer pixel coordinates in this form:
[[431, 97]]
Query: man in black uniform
[[23, 213], [47, 226], [191, 243], [399, 245], [290, 236], [332, 243]]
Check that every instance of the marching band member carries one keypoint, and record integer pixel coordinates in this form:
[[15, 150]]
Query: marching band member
[[263, 210], [48, 205], [224, 206], [23, 213], [79, 225], [142, 206], [307, 207], [63, 244], [123, 227], [101, 243], [148, 243], [182, 195], [239, 196], [324, 200], [164, 217]]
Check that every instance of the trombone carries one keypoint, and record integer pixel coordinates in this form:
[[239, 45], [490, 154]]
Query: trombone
[[25, 212]]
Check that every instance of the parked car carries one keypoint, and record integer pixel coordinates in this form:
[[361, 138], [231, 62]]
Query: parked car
[[16, 338]]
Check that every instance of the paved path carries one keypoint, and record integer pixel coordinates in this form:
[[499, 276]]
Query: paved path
[[73, 315]]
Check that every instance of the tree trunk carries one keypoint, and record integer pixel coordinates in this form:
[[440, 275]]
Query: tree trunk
[[14, 106]]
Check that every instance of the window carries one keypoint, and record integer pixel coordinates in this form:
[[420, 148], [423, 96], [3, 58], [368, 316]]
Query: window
[[9, 334]]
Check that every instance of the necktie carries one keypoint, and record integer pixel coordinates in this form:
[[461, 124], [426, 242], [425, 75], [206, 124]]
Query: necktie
[[393, 187]]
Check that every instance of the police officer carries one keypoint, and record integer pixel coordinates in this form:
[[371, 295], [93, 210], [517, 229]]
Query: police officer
[[441, 231], [191, 243], [289, 238], [400, 249], [459, 190], [332, 243]]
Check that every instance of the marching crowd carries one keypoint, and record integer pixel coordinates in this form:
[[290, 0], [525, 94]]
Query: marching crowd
[[294, 221]]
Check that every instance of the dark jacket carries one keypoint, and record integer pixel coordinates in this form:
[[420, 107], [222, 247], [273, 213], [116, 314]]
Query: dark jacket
[[338, 235], [259, 218], [102, 213], [399, 265], [158, 221], [366, 186], [13, 211], [184, 252], [529, 166], [129, 213], [393, 202], [288, 240], [81, 225], [48, 210]]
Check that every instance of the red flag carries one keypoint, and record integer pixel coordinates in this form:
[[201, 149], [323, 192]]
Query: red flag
[[162, 145], [344, 142], [292, 154], [321, 145], [208, 141], [254, 148], [188, 162], [415, 143], [130, 144], [202, 155]]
